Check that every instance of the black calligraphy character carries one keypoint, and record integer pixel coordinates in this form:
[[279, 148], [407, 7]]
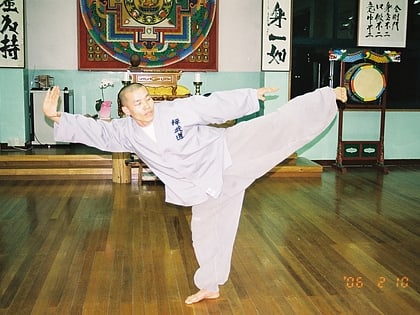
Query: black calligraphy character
[[175, 122], [10, 48], [277, 55], [9, 5], [14, 48], [277, 15], [273, 37], [5, 44], [8, 24], [388, 8], [370, 8]]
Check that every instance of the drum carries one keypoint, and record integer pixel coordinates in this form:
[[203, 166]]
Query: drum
[[365, 82]]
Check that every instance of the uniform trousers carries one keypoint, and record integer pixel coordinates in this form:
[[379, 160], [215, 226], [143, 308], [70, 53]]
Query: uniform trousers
[[256, 146]]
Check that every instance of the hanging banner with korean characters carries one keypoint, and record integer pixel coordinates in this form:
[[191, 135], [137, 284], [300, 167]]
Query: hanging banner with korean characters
[[382, 23], [276, 32], [12, 48]]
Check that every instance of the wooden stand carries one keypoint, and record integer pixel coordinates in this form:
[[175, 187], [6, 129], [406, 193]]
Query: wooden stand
[[356, 152]]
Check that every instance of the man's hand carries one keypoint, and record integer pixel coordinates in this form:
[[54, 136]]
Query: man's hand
[[49, 107], [261, 92]]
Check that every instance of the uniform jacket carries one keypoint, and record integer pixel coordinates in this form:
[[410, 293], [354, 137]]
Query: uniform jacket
[[189, 156]]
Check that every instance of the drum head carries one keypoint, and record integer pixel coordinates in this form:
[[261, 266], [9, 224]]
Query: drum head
[[365, 82]]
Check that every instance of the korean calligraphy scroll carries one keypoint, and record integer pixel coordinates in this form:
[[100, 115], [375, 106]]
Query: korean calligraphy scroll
[[382, 23], [12, 48], [276, 32], [164, 33]]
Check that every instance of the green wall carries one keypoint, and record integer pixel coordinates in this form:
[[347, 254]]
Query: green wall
[[402, 130], [14, 114]]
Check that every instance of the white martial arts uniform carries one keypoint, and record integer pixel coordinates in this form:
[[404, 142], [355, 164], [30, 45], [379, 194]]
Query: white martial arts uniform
[[209, 168]]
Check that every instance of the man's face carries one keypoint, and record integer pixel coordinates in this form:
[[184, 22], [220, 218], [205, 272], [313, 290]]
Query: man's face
[[139, 105]]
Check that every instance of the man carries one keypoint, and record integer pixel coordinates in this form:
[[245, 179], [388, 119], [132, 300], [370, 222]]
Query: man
[[201, 166]]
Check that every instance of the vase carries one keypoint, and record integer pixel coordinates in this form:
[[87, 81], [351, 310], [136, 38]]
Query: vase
[[105, 110]]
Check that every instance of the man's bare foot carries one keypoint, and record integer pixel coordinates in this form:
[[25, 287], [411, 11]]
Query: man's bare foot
[[201, 295], [341, 94]]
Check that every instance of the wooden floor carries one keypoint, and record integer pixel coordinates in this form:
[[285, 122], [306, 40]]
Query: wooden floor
[[339, 244]]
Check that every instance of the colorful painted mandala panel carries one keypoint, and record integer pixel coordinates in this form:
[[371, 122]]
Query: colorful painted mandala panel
[[179, 34]]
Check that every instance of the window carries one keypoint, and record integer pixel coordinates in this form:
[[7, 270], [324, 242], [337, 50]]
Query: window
[[316, 30]]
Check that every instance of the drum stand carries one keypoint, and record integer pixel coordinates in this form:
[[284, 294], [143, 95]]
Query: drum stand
[[355, 152]]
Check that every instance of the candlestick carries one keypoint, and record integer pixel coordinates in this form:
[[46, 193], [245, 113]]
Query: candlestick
[[127, 76], [197, 87], [197, 77]]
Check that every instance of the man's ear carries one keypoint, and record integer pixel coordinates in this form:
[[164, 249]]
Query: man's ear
[[125, 110]]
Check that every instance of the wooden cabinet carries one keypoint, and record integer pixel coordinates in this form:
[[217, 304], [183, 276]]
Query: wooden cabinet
[[42, 128]]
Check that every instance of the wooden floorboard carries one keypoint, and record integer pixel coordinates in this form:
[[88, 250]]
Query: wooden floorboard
[[337, 244]]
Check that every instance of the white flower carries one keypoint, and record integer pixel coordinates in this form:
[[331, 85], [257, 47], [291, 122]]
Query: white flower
[[105, 83]]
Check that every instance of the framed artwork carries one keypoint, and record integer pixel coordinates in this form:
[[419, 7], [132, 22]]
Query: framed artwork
[[382, 23], [169, 34], [276, 28], [12, 34]]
